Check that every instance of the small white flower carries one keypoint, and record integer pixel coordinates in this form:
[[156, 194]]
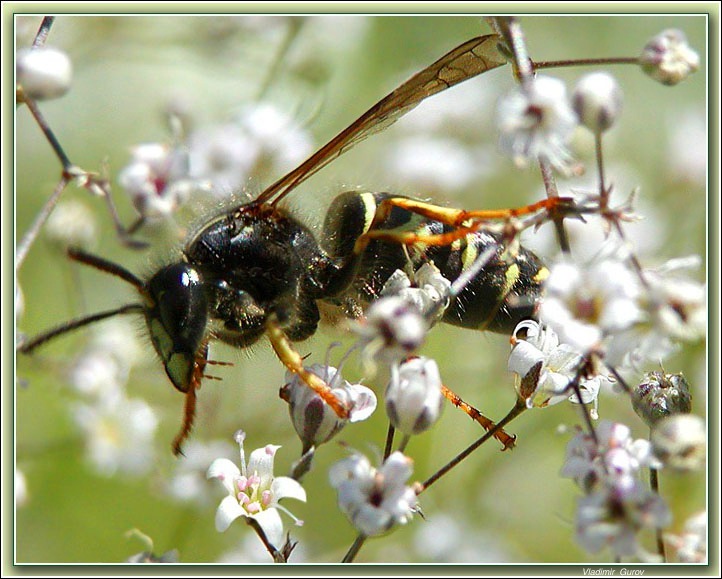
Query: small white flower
[[392, 330], [667, 57], [546, 368], [536, 121], [44, 72], [156, 179], [691, 545], [413, 396], [374, 500], [254, 492], [260, 140], [188, 481], [612, 518], [314, 420], [586, 304], [672, 308], [103, 367], [680, 442], [678, 305], [72, 223], [427, 290], [597, 101], [614, 458], [119, 434]]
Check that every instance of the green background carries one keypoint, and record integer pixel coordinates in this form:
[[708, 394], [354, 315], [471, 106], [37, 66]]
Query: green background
[[510, 507]]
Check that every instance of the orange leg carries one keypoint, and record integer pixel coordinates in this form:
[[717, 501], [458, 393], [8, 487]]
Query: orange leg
[[294, 362], [457, 217], [507, 440], [463, 221]]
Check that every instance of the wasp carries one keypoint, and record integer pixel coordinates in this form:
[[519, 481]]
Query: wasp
[[258, 271]]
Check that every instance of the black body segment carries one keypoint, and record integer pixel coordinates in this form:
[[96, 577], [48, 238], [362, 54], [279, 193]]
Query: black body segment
[[502, 294]]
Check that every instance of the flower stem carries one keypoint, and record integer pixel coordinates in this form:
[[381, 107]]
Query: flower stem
[[518, 408], [585, 62], [389, 440], [354, 549], [654, 485]]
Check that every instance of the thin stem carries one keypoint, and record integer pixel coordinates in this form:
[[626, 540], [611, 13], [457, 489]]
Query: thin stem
[[277, 555], [47, 131], [42, 35], [389, 441], [354, 549], [622, 382], [32, 233], [585, 411], [550, 185], [603, 192], [518, 408], [404, 443], [294, 27], [654, 485], [585, 62]]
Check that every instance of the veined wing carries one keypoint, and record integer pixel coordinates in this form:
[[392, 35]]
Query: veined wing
[[466, 61]]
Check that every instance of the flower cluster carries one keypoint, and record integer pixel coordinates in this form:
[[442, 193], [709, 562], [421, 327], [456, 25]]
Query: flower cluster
[[625, 316], [118, 430], [616, 505], [219, 160]]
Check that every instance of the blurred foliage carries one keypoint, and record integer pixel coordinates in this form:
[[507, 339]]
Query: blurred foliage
[[510, 507]]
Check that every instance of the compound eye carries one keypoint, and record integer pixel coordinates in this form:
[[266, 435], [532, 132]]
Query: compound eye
[[177, 320]]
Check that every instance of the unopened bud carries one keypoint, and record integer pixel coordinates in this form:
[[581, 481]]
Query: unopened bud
[[660, 395], [44, 72], [392, 331], [314, 420], [597, 100], [413, 397], [668, 59]]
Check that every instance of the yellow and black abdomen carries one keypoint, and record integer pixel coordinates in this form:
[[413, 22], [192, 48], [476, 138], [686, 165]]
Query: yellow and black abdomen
[[503, 293]]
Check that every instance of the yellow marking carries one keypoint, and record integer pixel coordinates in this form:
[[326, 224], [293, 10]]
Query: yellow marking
[[511, 276], [370, 207], [541, 275], [469, 255]]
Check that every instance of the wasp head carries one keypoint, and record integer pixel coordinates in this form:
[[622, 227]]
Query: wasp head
[[177, 318]]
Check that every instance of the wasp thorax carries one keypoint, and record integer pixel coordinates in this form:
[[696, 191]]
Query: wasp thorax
[[177, 318]]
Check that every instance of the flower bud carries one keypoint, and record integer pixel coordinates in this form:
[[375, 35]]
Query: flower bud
[[668, 59], [680, 442], [660, 395], [413, 397], [43, 72], [597, 100], [392, 331], [314, 420]]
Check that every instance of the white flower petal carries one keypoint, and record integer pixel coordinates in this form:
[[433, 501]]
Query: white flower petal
[[228, 511], [523, 357], [272, 525], [364, 402], [225, 471], [396, 469], [261, 463], [284, 487]]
